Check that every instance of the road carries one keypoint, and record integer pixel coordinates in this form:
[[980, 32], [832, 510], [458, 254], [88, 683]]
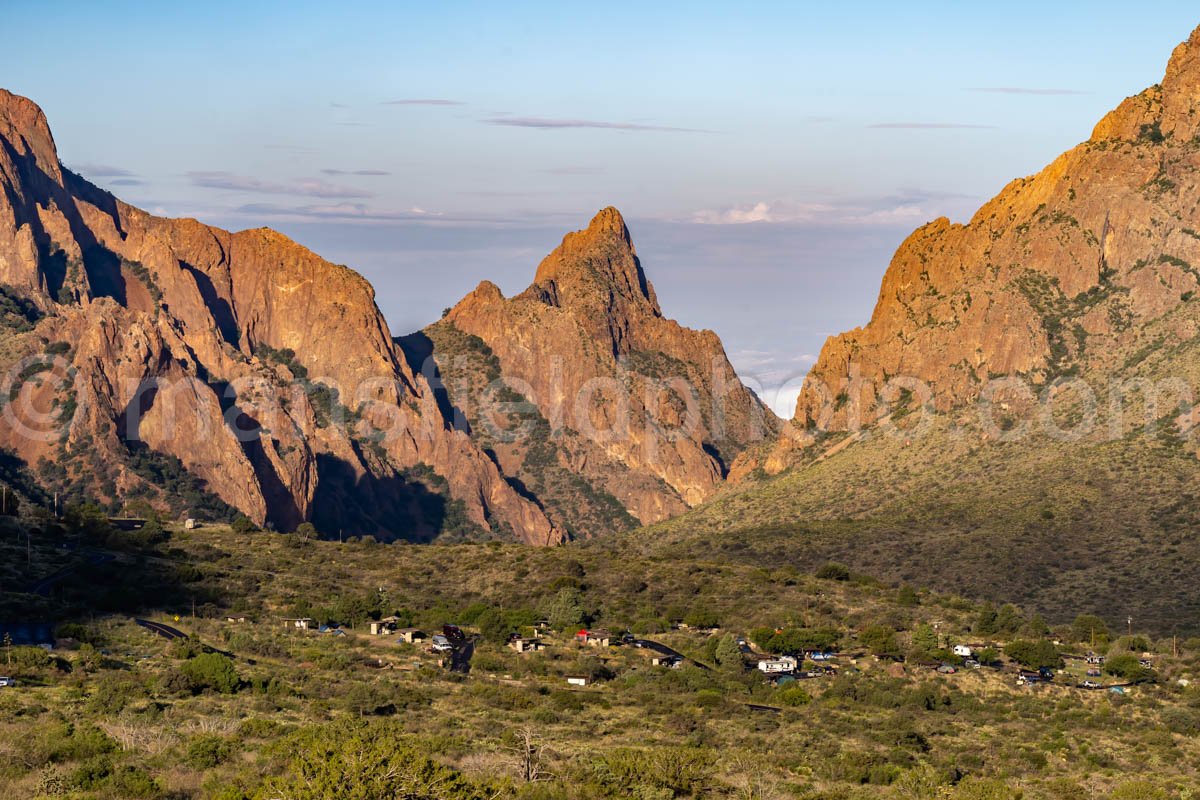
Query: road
[[165, 631]]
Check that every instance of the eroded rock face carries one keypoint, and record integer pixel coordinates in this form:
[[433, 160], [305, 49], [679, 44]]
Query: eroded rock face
[[238, 353], [1052, 276], [649, 411]]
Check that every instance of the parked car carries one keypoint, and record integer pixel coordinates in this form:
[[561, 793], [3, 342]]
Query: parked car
[[947, 669], [1093, 673], [7, 682], [441, 644], [1091, 685], [971, 663]]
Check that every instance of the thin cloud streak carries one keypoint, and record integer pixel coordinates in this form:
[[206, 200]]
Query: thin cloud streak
[[373, 173], [103, 171], [549, 123], [243, 183], [423, 101]]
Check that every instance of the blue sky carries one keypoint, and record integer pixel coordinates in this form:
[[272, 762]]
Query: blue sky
[[768, 156]]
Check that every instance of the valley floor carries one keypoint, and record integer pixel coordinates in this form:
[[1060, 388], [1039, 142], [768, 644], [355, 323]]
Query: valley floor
[[249, 706]]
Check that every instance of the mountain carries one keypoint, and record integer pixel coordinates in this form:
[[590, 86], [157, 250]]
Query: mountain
[[1056, 275], [1017, 418], [206, 371], [615, 414]]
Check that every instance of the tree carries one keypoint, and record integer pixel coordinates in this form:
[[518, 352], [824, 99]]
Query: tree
[[702, 616], [985, 622], [987, 656], [1126, 666], [924, 638], [566, 610], [729, 656], [880, 640], [1009, 619], [1091, 629], [493, 625], [1036, 626], [1034, 654], [529, 753], [306, 531], [211, 671]]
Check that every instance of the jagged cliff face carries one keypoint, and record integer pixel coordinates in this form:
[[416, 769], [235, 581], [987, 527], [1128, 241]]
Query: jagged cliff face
[[1056, 275], [236, 353], [643, 410]]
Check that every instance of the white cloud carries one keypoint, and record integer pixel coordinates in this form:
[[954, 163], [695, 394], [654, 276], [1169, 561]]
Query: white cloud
[[885, 211]]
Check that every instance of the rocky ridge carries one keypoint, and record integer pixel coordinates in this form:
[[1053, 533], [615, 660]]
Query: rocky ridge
[[227, 326]]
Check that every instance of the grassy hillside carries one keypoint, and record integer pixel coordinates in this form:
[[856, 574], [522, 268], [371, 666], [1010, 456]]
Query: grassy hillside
[[254, 709], [1104, 522]]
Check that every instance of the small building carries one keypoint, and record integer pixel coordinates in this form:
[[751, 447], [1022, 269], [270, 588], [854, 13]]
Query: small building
[[671, 661], [190, 524], [299, 623], [594, 638], [784, 665], [411, 635], [383, 627], [524, 645], [578, 680]]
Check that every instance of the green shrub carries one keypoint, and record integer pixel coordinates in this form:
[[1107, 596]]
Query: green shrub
[[208, 750], [1034, 654], [211, 671]]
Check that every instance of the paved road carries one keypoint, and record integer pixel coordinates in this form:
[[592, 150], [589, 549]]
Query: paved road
[[165, 631], [46, 585]]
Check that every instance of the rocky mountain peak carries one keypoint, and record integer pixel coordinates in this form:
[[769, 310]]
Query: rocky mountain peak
[[24, 126], [339, 430], [1072, 271], [596, 263], [1170, 109]]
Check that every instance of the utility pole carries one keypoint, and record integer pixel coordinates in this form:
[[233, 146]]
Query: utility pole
[[1129, 622]]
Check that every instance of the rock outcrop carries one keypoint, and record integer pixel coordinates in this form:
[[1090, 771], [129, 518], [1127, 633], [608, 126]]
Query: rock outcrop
[[645, 410], [269, 373], [1052, 277]]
